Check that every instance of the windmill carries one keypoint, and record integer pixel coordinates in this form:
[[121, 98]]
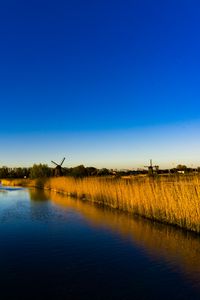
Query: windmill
[[58, 169], [151, 168]]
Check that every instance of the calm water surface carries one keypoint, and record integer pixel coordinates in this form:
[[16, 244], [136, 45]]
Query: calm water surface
[[60, 248]]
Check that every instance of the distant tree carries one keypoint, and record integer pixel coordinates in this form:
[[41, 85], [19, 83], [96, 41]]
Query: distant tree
[[173, 170], [39, 171], [20, 173], [4, 172], [79, 171], [181, 168], [103, 172], [91, 171]]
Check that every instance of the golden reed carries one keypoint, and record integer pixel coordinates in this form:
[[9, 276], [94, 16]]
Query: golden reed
[[172, 200]]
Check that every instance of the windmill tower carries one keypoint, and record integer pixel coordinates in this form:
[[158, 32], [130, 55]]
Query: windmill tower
[[58, 169], [151, 168]]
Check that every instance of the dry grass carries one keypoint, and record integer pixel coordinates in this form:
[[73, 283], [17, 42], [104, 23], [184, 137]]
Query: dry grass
[[173, 200]]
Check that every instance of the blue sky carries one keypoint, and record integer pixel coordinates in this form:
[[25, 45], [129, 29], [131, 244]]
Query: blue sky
[[107, 83]]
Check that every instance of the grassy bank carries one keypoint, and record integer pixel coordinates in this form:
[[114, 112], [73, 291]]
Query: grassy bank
[[173, 200]]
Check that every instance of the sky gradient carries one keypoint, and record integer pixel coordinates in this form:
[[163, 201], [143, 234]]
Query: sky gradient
[[106, 83]]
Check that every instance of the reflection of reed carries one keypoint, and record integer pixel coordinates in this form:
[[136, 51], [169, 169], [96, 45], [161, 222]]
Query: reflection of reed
[[181, 250]]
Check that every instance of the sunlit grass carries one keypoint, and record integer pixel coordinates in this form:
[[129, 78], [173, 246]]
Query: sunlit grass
[[173, 200]]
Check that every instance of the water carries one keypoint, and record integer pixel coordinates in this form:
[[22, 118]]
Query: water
[[61, 248]]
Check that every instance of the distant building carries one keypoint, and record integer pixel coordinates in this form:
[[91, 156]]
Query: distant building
[[181, 172]]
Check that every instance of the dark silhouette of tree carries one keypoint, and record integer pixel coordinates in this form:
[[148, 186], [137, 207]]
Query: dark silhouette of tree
[[79, 171], [40, 171], [181, 168], [91, 171], [4, 172], [103, 172]]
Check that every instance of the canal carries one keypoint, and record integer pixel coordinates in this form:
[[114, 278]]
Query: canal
[[53, 246]]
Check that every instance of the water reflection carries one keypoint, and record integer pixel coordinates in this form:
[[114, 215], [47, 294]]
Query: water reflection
[[181, 250], [40, 206], [38, 195], [68, 249]]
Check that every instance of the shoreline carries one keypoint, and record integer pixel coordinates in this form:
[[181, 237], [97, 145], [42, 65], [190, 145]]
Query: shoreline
[[174, 202]]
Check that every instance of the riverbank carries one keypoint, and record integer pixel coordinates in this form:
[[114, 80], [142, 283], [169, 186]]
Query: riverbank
[[173, 200]]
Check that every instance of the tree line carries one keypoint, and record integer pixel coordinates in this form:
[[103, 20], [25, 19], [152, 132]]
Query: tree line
[[43, 170]]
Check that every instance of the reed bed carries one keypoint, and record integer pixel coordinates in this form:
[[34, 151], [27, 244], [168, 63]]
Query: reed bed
[[172, 200]]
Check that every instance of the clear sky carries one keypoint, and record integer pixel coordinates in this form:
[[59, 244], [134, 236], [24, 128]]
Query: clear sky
[[105, 83]]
